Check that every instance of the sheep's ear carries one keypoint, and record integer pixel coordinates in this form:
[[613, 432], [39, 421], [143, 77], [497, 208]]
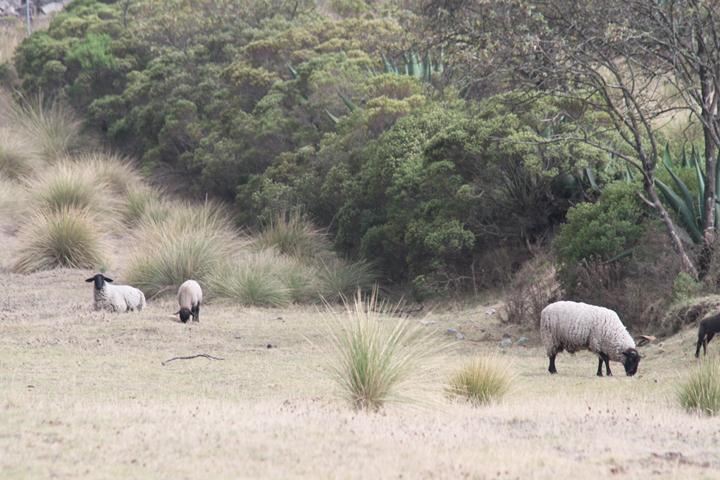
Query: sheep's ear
[[107, 279], [91, 279]]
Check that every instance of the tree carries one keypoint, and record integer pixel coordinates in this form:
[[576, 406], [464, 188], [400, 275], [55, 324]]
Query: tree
[[615, 56]]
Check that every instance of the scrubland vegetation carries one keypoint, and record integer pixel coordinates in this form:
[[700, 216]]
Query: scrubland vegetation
[[312, 162]]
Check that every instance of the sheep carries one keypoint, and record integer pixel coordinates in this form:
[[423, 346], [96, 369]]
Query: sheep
[[115, 298], [189, 297], [706, 331], [572, 326]]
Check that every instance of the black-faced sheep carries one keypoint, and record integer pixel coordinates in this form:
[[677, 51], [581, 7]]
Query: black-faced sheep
[[572, 326], [115, 298], [189, 297], [706, 331]]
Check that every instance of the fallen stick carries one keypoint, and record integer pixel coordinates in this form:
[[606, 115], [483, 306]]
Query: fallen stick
[[209, 357]]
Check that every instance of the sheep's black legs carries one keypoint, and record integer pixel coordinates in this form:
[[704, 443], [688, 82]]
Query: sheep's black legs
[[700, 343], [196, 313], [603, 358], [552, 368]]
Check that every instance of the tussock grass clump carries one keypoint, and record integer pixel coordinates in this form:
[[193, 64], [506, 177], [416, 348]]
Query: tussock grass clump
[[144, 202], [254, 279], [192, 242], [68, 237], [49, 124], [379, 358], [701, 392], [71, 185], [113, 170], [480, 381], [338, 278], [18, 159], [294, 235], [12, 198]]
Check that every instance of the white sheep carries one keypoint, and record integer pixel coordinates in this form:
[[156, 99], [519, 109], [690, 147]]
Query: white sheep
[[572, 326], [115, 298], [189, 297]]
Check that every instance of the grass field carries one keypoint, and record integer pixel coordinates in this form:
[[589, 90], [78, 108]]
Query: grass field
[[85, 395]]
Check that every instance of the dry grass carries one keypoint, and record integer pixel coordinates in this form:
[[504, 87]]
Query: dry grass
[[48, 124], [192, 242], [18, 159], [66, 237], [84, 395]]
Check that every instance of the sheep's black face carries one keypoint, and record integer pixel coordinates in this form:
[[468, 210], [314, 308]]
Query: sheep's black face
[[99, 280], [184, 314], [631, 362]]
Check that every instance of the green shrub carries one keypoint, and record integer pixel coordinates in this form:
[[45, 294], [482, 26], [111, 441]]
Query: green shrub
[[480, 381], [685, 287], [701, 392], [66, 237], [377, 357], [600, 232]]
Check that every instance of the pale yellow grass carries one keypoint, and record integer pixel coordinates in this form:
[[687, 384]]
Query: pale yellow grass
[[84, 395]]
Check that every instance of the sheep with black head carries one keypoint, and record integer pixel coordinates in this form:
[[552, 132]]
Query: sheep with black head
[[115, 298], [189, 297]]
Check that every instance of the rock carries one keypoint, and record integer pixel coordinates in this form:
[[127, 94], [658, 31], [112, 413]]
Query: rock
[[51, 8], [490, 312], [522, 341], [427, 322], [506, 342], [455, 333]]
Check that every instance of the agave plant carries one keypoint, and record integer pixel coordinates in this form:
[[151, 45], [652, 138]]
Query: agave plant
[[688, 205]]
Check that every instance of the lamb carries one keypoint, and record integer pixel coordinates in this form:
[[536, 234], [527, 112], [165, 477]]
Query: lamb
[[572, 326], [189, 298], [706, 331], [116, 298]]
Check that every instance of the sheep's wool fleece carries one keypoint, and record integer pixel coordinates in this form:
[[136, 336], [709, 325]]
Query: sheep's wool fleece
[[119, 298], [189, 294], [576, 326]]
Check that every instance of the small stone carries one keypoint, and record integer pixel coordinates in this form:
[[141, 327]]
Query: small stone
[[269, 345], [490, 312], [427, 322], [451, 331], [506, 343], [459, 336], [522, 341]]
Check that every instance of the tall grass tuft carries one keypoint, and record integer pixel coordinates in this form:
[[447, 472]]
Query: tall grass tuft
[[49, 124], [68, 237], [18, 159], [113, 170], [480, 381], [192, 242], [254, 279], [144, 202], [701, 392], [338, 278], [71, 185], [379, 358], [294, 235]]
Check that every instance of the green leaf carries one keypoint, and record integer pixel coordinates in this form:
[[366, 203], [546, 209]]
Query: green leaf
[[687, 216], [684, 190]]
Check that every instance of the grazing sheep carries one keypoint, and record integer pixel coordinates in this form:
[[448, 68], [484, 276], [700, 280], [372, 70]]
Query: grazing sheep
[[189, 297], [116, 298], [706, 331], [572, 326]]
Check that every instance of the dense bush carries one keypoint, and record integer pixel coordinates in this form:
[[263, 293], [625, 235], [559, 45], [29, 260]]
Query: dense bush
[[278, 107]]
